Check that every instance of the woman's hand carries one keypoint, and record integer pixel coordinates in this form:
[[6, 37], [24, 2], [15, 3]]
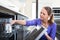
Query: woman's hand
[[13, 22], [48, 37], [21, 22]]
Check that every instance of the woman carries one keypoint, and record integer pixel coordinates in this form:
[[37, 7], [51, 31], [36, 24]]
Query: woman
[[46, 19]]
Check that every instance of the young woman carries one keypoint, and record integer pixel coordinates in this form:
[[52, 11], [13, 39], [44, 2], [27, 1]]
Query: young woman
[[46, 19]]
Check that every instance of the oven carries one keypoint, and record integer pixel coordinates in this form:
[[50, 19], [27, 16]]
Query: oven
[[56, 11]]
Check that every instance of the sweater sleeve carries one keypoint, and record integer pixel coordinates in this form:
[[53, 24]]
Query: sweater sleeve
[[53, 31], [31, 22]]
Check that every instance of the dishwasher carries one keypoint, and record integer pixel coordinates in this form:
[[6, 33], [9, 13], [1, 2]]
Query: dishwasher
[[6, 32]]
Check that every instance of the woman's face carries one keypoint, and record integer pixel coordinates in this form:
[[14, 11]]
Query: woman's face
[[44, 14]]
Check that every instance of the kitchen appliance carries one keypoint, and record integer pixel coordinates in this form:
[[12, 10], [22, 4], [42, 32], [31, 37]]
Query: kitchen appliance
[[36, 33], [56, 11]]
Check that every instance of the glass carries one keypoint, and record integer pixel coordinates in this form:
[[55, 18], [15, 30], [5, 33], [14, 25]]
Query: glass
[[8, 28]]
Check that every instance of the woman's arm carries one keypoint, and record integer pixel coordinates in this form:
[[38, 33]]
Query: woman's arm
[[21, 22], [24, 22], [48, 37], [52, 33]]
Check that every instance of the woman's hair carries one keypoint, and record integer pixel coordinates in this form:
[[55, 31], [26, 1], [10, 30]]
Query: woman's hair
[[49, 11]]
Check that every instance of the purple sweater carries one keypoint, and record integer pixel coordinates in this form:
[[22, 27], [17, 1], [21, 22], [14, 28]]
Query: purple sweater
[[51, 28]]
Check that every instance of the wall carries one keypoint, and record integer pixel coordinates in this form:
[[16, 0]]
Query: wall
[[51, 3]]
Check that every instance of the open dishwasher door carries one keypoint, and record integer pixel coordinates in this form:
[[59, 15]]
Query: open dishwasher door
[[36, 34]]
